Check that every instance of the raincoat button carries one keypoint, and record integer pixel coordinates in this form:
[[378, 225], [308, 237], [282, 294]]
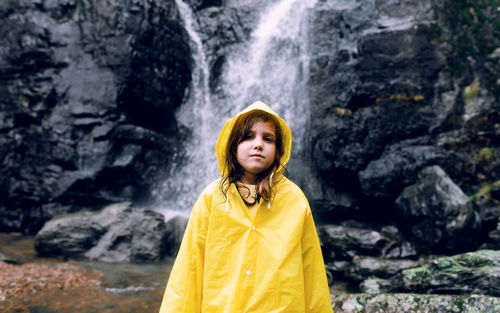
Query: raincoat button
[[248, 273], [253, 227]]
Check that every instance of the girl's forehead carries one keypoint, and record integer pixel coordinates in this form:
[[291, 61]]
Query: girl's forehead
[[260, 124]]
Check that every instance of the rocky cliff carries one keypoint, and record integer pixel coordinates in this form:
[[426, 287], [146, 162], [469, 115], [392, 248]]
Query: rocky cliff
[[88, 91]]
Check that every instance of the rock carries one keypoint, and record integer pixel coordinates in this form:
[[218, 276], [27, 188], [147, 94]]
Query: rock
[[400, 303], [220, 29], [200, 4], [396, 168], [362, 267], [472, 272], [8, 259], [69, 236], [335, 270], [374, 286], [117, 233], [488, 209], [436, 214], [493, 241], [495, 192], [174, 231], [73, 75], [381, 110], [489, 212], [343, 243]]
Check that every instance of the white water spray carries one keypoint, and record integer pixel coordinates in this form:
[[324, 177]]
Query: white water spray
[[178, 193], [272, 67]]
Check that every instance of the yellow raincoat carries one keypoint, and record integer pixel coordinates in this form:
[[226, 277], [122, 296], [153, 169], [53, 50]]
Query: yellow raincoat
[[229, 262]]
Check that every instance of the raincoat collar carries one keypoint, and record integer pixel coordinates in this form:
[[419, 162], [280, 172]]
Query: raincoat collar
[[222, 142]]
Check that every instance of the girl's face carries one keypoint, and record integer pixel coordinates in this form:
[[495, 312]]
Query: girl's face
[[257, 151]]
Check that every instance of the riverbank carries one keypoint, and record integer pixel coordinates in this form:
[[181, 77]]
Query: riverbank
[[45, 285], [50, 285]]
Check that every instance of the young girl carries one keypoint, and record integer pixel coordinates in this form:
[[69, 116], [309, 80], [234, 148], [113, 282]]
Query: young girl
[[250, 244]]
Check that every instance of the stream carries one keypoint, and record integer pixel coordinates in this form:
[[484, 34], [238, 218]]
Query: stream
[[47, 285]]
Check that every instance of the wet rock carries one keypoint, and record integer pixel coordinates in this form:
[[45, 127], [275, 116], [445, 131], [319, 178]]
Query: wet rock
[[488, 209], [335, 270], [395, 303], [495, 192], [493, 241], [343, 243], [117, 233], [362, 268], [69, 236], [73, 75], [436, 214], [359, 109], [200, 4], [472, 272], [374, 285], [174, 230], [220, 29], [396, 168], [382, 110]]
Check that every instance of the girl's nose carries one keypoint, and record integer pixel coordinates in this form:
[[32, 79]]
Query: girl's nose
[[257, 144]]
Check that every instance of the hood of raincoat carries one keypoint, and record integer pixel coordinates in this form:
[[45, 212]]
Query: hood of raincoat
[[222, 142]]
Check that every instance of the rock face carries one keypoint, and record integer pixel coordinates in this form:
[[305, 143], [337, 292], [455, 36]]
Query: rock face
[[394, 92], [437, 214], [88, 92], [117, 233]]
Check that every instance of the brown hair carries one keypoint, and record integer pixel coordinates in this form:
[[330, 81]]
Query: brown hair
[[242, 126]]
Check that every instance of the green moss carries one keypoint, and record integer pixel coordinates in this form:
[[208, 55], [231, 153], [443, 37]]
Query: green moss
[[476, 24], [470, 92]]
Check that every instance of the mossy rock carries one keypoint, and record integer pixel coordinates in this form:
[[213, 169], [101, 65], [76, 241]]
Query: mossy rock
[[472, 272], [429, 303]]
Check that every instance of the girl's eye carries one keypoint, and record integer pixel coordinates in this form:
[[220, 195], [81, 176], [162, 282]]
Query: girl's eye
[[268, 139]]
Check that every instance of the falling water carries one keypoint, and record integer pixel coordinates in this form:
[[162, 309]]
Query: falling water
[[178, 193], [272, 66]]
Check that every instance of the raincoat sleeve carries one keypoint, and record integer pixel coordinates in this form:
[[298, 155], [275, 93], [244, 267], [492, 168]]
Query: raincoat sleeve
[[184, 288], [316, 291]]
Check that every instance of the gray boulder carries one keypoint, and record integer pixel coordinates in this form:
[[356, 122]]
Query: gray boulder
[[362, 267], [344, 242], [436, 214], [174, 231], [117, 233]]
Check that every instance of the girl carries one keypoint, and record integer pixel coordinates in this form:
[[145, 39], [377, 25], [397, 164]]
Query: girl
[[250, 244]]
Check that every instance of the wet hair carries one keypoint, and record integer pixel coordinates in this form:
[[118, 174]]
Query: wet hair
[[265, 180]]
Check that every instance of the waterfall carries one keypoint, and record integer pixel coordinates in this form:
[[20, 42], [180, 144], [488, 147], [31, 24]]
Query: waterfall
[[179, 191], [272, 66]]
